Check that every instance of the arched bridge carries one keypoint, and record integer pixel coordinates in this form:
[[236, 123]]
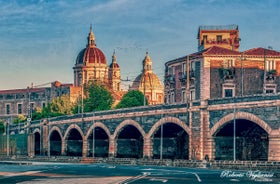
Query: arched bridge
[[241, 128]]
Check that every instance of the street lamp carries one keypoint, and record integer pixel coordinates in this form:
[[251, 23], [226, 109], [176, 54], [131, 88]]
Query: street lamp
[[8, 137], [234, 133], [49, 144], [93, 135]]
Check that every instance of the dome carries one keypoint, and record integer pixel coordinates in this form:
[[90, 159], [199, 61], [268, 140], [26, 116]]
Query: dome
[[91, 55], [150, 81], [114, 65]]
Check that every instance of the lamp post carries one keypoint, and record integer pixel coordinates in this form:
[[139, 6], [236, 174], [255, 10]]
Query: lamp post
[[8, 138], [49, 144], [161, 140], [234, 134], [93, 135]]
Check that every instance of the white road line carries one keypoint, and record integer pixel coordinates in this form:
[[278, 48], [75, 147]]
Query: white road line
[[132, 179], [197, 177]]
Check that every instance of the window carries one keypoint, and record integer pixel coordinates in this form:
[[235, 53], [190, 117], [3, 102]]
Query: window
[[8, 109], [43, 105], [229, 63], [183, 97], [228, 89], [228, 93], [184, 68], [171, 70], [204, 38], [19, 108], [219, 38], [172, 100], [192, 94]]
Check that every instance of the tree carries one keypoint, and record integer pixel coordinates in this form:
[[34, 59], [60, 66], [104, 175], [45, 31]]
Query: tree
[[2, 126], [21, 118], [59, 106], [132, 99], [97, 97]]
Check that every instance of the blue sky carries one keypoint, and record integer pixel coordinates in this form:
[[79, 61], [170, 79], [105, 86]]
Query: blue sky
[[40, 39]]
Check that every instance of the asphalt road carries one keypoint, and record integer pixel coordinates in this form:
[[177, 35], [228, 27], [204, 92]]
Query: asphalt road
[[50, 173]]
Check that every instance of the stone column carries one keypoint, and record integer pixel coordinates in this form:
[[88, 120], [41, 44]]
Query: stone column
[[45, 138], [31, 146], [147, 148], [112, 147], [206, 138], [195, 137], [85, 148], [63, 147], [274, 146]]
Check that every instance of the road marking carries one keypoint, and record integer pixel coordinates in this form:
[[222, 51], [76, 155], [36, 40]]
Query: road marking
[[157, 179], [132, 179], [197, 177], [12, 174]]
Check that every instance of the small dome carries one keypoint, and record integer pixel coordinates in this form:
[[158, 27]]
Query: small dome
[[114, 65], [151, 81], [91, 55]]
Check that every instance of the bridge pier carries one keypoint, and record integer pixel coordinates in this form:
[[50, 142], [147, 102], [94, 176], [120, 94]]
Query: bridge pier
[[30, 145], [147, 148], [274, 146], [63, 147], [85, 151], [112, 147]]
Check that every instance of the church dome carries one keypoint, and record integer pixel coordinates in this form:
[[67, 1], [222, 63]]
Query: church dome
[[114, 63], [91, 55], [148, 81]]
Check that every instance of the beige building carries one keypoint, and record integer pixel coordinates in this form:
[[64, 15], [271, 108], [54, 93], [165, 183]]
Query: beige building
[[148, 83]]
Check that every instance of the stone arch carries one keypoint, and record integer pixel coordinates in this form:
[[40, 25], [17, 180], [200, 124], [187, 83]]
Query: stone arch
[[55, 144], [55, 128], [98, 124], [74, 144], [129, 122], [97, 146], [177, 147], [169, 120], [73, 126], [36, 130], [37, 141], [128, 140], [240, 115]]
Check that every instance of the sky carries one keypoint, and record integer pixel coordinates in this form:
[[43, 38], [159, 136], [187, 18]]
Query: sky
[[40, 39]]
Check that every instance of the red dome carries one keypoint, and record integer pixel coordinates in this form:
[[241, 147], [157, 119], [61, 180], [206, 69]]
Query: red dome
[[91, 55]]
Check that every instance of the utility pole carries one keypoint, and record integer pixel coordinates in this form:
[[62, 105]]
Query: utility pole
[[188, 79], [8, 137], [93, 136], [234, 133], [264, 70]]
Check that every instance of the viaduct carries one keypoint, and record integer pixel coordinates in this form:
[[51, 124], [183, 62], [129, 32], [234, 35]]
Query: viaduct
[[238, 128]]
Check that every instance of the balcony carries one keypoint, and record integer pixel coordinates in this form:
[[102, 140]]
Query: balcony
[[169, 80], [182, 77], [271, 76]]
